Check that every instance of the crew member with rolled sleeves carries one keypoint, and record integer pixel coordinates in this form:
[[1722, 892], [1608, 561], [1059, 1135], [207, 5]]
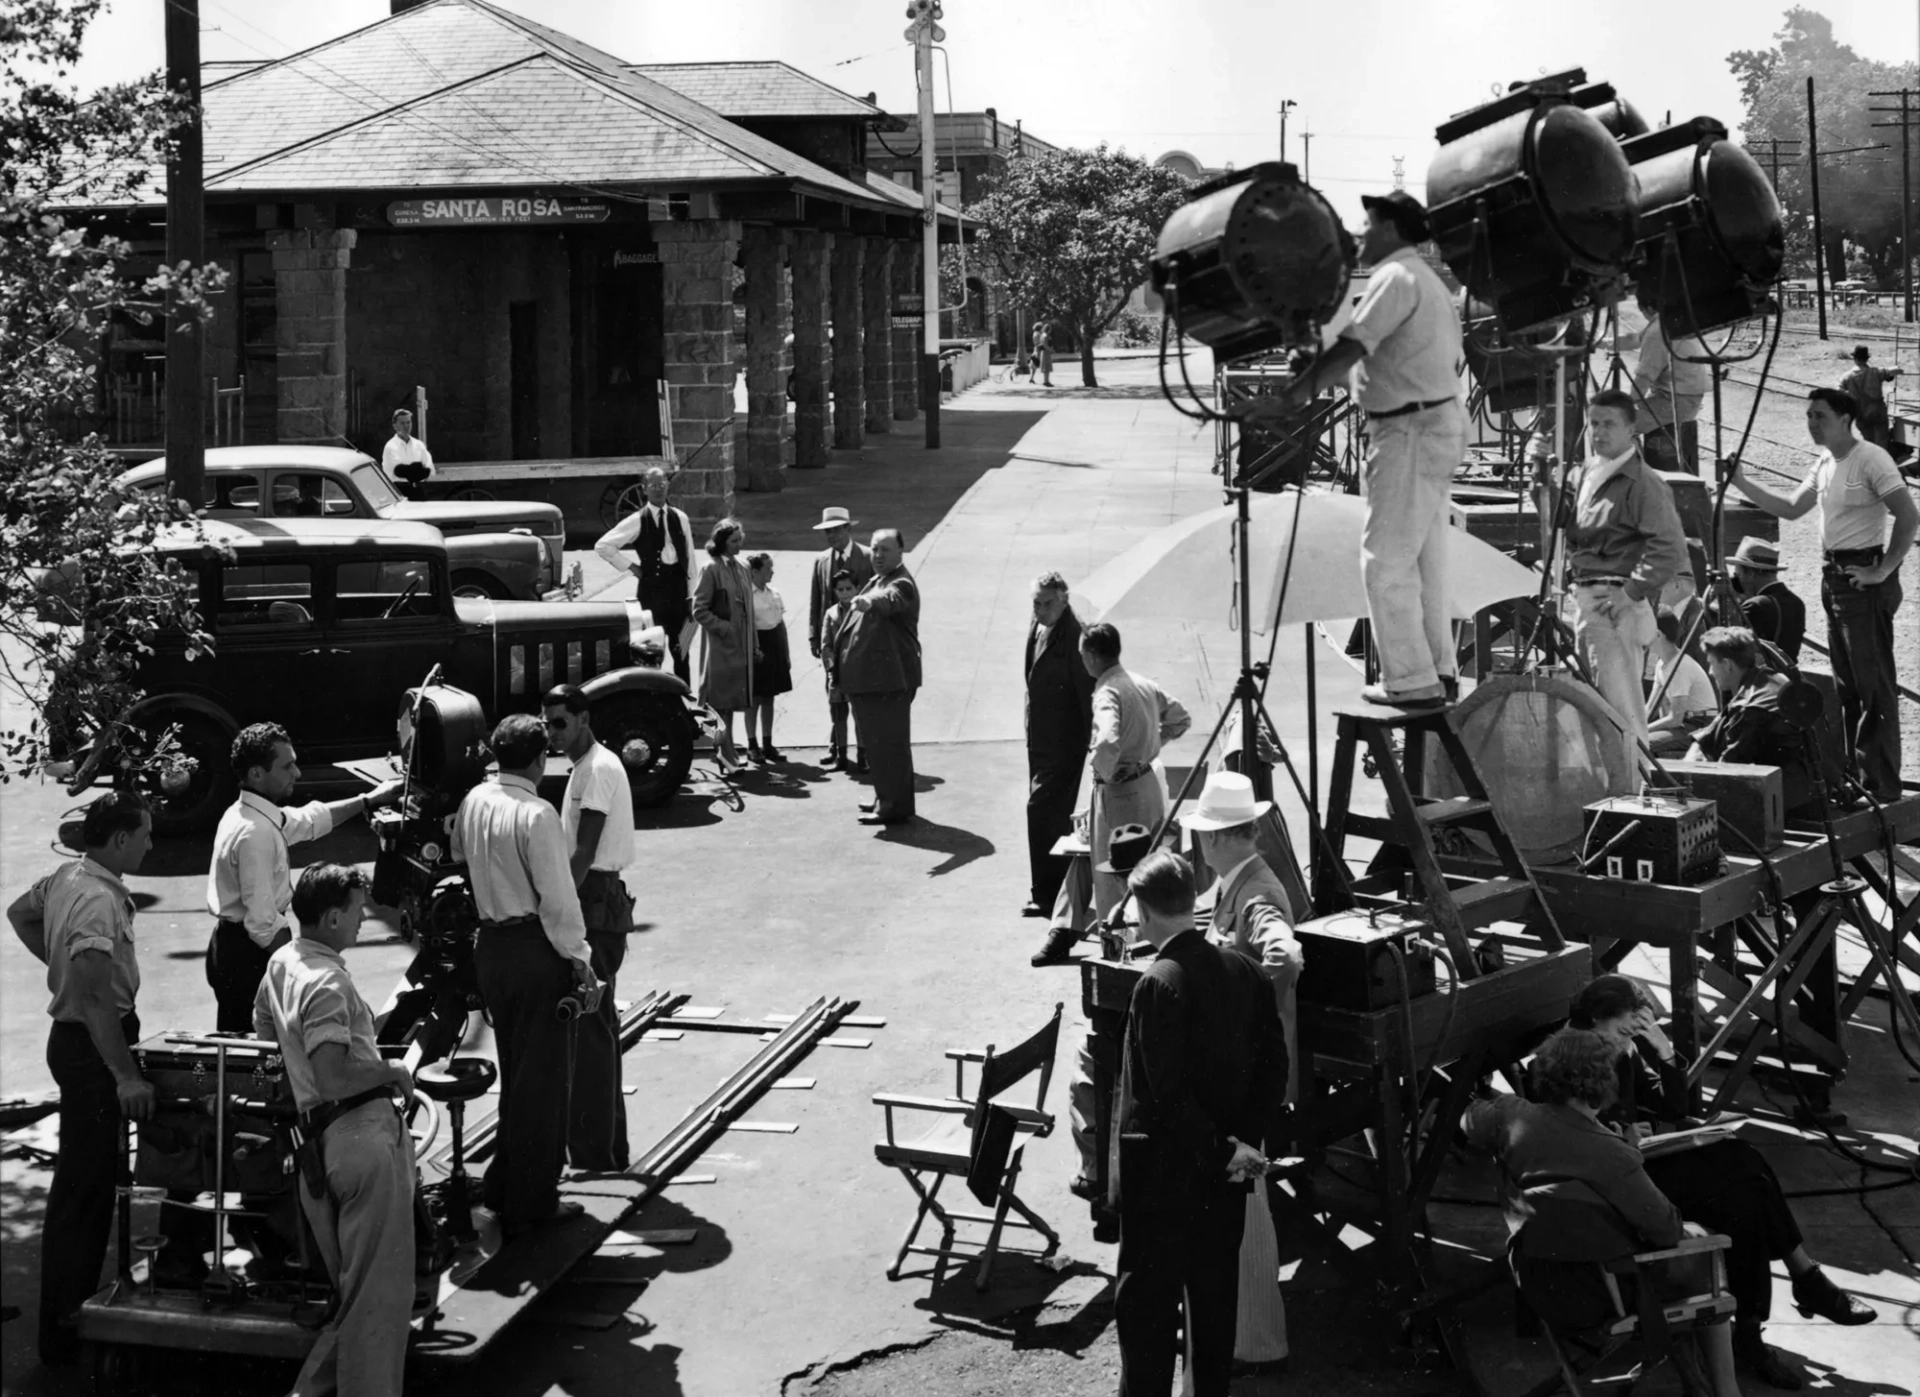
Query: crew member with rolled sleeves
[[597, 819], [1670, 391], [406, 459], [662, 542], [1867, 383], [1253, 915], [1403, 353], [530, 955], [249, 886], [1856, 487], [361, 1212], [1623, 543], [1132, 719], [78, 922]]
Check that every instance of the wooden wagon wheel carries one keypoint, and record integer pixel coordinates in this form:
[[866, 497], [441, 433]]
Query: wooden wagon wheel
[[621, 498], [473, 492]]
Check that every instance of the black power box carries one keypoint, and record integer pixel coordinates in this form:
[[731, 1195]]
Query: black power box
[[1662, 838], [1350, 963]]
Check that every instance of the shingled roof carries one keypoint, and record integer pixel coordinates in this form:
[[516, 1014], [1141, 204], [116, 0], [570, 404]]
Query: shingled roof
[[757, 89], [460, 93]]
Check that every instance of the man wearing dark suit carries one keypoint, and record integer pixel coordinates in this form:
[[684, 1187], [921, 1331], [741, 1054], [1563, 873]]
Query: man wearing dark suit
[[662, 541], [841, 554], [1059, 724], [1204, 1078], [1773, 612], [880, 673]]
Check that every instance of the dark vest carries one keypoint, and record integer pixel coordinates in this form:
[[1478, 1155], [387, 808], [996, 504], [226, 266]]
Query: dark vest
[[653, 573]]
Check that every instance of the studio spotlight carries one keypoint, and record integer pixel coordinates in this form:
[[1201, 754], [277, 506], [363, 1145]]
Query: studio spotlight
[[1255, 261], [1515, 372], [1531, 201], [1712, 237]]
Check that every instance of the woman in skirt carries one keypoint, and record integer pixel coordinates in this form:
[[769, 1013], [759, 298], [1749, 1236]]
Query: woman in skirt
[[772, 666]]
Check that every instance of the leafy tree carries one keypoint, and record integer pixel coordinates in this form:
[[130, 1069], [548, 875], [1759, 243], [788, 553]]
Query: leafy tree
[[1859, 191], [82, 592], [1069, 235]]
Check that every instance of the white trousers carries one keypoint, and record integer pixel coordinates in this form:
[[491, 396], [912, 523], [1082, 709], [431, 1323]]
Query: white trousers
[[1616, 654], [1403, 544]]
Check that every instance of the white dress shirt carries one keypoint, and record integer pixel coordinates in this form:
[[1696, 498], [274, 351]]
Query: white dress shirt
[[411, 450], [250, 880], [307, 1000], [600, 783], [1411, 333], [623, 534], [516, 855]]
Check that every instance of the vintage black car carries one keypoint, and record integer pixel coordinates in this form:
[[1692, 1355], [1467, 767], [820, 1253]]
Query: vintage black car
[[323, 625]]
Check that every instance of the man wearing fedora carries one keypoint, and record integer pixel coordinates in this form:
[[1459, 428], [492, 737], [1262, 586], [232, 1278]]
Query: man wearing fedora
[[1252, 914], [1059, 720], [662, 544], [1774, 614], [842, 554]]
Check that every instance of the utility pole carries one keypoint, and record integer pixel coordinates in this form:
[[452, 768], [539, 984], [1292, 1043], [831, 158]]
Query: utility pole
[[186, 446], [1819, 233], [924, 33], [1399, 172], [1286, 105], [1773, 145], [1306, 147], [1906, 187]]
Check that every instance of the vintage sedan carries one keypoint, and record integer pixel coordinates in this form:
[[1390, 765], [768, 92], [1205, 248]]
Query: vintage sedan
[[487, 539], [322, 625]]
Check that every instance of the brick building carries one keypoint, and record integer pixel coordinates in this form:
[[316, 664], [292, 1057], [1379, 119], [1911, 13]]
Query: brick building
[[540, 235]]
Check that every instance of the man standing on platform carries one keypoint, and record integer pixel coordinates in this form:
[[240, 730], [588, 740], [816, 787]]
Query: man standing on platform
[[1857, 488], [406, 459], [1623, 543], [1132, 719], [1203, 1081], [78, 922], [1774, 613], [597, 819], [662, 544], [249, 885], [531, 953], [1059, 722], [880, 671], [1670, 391], [1867, 384], [841, 554], [1403, 352]]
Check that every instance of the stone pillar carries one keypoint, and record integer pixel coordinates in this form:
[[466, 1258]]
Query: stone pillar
[[769, 318], [849, 364], [906, 337], [877, 334], [696, 278], [310, 336], [811, 251]]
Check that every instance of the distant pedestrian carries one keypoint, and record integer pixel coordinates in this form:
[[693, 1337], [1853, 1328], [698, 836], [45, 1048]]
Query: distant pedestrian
[[1059, 720], [772, 663], [842, 554], [406, 458], [833, 626], [723, 607], [1867, 385], [662, 542], [1043, 353], [881, 673]]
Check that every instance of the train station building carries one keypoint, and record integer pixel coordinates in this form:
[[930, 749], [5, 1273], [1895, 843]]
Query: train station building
[[570, 256]]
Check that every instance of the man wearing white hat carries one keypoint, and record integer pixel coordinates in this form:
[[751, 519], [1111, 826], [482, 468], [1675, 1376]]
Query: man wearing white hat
[[842, 554], [1252, 914]]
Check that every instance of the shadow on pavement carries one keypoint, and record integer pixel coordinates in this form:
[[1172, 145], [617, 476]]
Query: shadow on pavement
[[960, 846]]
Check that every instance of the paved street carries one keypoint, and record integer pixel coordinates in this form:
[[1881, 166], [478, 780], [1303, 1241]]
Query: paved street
[[762, 909]]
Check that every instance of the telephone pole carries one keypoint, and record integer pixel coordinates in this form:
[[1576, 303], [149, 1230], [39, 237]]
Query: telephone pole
[[1286, 105], [1306, 147], [1773, 145], [186, 445], [924, 33], [1906, 186], [1819, 235]]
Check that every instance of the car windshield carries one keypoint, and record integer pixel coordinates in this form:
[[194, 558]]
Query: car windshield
[[374, 485]]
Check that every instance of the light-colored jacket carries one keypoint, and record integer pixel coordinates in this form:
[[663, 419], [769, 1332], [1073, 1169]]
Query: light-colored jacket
[[1252, 915]]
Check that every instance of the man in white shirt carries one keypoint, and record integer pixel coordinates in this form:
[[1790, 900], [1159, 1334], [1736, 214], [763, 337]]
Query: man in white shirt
[[1686, 702], [1670, 391], [1403, 358], [531, 955], [1857, 488], [662, 542], [597, 819], [406, 459], [249, 886]]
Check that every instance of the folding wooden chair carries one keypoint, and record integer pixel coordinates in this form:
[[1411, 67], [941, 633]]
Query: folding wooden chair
[[974, 1136]]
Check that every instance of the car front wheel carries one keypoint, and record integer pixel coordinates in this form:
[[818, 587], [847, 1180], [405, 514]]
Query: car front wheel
[[652, 740], [190, 789], [480, 585]]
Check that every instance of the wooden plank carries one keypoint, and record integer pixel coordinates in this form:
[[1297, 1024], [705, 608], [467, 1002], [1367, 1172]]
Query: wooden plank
[[764, 1127], [662, 1035], [656, 1237], [793, 1084], [578, 468], [846, 1042], [855, 1021], [700, 1011]]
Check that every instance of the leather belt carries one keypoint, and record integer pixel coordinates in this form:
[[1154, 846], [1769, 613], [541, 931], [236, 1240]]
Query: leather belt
[[316, 1121], [1852, 557], [1406, 408], [511, 923], [1125, 772]]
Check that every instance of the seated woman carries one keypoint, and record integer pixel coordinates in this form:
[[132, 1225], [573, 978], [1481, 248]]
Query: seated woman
[[1726, 1186], [1558, 1143]]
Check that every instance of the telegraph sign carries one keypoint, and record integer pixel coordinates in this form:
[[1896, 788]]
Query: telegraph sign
[[513, 210]]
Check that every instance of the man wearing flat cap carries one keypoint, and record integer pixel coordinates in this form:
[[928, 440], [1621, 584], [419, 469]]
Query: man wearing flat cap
[[1253, 915], [1402, 359], [842, 554], [1774, 614]]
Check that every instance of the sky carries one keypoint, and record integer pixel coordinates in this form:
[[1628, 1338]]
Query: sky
[[1371, 77]]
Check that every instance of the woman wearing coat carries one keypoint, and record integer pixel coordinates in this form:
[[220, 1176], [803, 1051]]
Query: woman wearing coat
[[723, 609]]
